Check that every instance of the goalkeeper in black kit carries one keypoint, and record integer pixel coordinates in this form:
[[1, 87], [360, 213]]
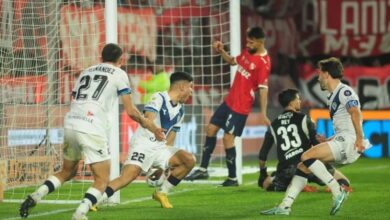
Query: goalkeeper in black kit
[[293, 133]]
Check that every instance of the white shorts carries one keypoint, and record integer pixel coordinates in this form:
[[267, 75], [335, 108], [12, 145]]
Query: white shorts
[[343, 148], [94, 148], [146, 156]]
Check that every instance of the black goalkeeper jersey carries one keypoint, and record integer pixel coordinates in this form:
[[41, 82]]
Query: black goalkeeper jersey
[[293, 133]]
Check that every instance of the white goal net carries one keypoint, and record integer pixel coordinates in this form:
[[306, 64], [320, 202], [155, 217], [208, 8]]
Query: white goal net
[[44, 44]]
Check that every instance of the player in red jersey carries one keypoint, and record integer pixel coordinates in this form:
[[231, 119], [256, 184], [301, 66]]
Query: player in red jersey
[[253, 69]]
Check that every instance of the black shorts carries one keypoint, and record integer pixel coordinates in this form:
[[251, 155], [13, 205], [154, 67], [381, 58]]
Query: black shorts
[[231, 122], [283, 177]]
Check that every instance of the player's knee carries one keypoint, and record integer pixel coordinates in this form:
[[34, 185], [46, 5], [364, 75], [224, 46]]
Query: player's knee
[[211, 130], [188, 160], [305, 156]]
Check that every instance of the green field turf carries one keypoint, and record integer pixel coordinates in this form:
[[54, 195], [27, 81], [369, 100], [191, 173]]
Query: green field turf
[[370, 199]]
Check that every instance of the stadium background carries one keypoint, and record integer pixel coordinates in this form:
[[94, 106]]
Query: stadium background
[[299, 33]]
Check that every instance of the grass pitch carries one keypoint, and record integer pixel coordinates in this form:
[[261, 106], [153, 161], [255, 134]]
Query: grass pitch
[[370, 199]]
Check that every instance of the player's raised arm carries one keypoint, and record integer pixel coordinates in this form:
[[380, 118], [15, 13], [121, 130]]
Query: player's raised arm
[[218, 46], [133, 113]]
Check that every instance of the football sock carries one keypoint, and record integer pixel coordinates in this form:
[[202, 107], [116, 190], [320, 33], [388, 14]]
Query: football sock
[[297, 184], [343, 182], [208, 149], [231, 162], [47, 187], [109, 191], [169, 183], [320, 171], [90, 198]]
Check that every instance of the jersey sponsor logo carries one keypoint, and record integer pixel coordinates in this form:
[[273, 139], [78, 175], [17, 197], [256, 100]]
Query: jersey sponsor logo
[[293, 153], [243, 72], [347, 93]]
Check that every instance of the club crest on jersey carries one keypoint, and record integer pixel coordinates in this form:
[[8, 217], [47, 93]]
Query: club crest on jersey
[[347, 93], [252, 66]]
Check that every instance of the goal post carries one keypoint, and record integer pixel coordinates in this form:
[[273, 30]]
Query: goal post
[[44, 45]]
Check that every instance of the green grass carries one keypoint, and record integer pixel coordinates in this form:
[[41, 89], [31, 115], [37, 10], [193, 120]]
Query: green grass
[[370, 200]]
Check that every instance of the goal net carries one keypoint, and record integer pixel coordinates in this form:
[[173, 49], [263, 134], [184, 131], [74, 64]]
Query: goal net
[[44, 44]]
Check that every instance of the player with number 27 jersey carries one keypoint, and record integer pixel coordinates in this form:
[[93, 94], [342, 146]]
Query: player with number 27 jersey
[[94, 94]]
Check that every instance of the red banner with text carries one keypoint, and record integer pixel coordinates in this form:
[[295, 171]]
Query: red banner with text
[[356, 28]]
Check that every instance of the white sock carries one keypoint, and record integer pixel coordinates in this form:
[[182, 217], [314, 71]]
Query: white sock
[[293, 190], [86, 203], [102, 199], [166, 186], [319, 169], [43, 190]]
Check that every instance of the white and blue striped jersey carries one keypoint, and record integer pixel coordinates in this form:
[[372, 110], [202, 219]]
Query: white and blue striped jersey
[[339, 101], [95, 92], [169, 117]]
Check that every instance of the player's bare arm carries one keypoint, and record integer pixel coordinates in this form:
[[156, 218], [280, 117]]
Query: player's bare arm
[[356, 117], [151, 126], [263, 92], [134, 114], [218, 46], [171, 137]]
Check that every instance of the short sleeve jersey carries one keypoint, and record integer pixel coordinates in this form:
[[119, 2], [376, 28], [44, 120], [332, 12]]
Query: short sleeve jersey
[[339, 101], [169, 117], [94, 94], [293, 133], [252, 73]]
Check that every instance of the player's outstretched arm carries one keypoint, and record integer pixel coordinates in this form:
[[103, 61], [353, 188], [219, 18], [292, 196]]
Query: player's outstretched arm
[[134, 114], [218, 46]]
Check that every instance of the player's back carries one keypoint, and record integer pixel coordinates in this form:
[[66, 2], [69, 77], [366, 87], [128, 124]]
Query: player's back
[[293, 134], [94, 94]]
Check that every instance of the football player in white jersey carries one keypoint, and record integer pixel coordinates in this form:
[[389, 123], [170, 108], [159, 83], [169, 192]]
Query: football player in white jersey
[[166, 110], [344, 147], [87, 125]]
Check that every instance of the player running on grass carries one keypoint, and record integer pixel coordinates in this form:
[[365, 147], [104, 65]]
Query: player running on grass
[[344, 147]]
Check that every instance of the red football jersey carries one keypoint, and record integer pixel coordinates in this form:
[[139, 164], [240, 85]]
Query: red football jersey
[[252, 72]]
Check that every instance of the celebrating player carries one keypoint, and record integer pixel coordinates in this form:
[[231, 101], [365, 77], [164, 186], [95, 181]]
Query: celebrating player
[[254, 66], [293, 133], [166, 110], [86, 127], [344, 147]]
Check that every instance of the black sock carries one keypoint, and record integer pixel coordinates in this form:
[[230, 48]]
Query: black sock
[[173, 180], [91, 198], [109, 191], [208, 149], [231, 161], [49, 185]]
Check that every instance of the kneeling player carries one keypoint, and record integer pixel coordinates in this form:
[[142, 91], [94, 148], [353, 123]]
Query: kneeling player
[[293, 133], [166, 110]]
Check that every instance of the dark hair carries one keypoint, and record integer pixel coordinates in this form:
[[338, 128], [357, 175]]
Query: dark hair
[[177, 76], [333, 66], [111, 53], [286, 96], [255, 33]]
